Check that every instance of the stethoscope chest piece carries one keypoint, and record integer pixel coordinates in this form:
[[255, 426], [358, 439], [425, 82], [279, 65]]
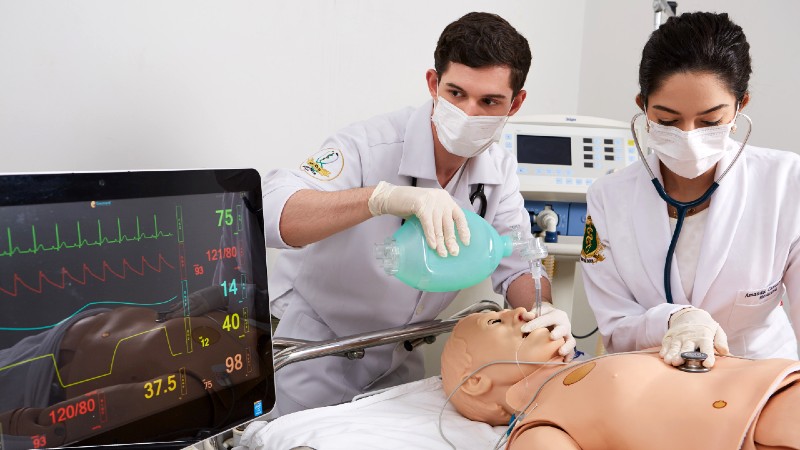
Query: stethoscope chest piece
[[693, 362]]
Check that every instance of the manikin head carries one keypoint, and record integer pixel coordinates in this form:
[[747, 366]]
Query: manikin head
[[485, 337]]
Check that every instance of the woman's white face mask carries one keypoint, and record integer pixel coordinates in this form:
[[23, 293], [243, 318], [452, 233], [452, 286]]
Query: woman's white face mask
[[464, 135], [689, 154]]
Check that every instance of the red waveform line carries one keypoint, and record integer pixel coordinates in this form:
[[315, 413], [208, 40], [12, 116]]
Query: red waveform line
[[65, 274]]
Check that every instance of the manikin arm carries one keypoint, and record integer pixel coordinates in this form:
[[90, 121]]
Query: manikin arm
[[551, 438]]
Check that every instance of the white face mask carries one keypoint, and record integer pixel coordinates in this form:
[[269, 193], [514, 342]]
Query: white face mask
[[689, 154], [465, 135]]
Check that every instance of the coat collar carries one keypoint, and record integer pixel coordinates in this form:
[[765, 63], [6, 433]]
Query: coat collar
[[418, 161], [653, 233]]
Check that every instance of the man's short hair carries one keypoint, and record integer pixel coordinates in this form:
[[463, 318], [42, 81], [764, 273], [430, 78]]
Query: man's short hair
[[480, 39]]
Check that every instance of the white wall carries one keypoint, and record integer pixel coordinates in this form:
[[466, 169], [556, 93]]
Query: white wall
[[154, 84], [144, 84], [615, 32]]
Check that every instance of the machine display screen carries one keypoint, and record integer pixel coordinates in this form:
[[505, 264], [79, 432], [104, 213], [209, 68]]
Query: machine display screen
[[551, 150], [133, 307]]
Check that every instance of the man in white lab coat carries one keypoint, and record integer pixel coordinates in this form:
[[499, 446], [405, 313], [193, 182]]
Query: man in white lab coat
[[355, 191]]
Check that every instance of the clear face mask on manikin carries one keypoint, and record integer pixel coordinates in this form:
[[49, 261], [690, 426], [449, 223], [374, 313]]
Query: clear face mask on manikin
[[690, 154], [464, 135]]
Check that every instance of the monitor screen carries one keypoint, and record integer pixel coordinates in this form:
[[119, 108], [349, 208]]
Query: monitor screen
[[133, 307], [551, 150]]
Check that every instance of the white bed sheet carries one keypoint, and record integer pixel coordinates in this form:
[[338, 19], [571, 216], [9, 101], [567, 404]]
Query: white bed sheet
[[403, 417]]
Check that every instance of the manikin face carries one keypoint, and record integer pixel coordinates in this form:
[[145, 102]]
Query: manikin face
[[484, 91], [497, 336], [482, 338], [691, 100]]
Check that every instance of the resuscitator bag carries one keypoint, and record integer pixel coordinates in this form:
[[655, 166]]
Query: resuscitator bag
[[406, 255]]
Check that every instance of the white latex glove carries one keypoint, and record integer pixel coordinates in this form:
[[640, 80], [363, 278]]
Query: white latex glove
[[690, 329], [435, 209], [556, 318]]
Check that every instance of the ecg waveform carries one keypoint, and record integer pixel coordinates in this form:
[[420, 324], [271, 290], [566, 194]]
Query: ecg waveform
[[81, 242], [86, 274], [86, 306], [111, 363]]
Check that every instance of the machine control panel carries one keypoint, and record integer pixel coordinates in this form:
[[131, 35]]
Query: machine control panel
[[567, 152]]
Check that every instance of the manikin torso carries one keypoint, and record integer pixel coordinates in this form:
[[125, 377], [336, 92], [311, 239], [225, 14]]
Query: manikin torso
[[634, 401]]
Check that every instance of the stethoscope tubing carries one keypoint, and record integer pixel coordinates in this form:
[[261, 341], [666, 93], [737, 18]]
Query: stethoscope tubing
[[682, 207]]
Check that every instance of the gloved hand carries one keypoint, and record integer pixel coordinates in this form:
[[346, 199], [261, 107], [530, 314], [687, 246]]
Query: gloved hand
[[435, 208], [556, 318], [689, 329]]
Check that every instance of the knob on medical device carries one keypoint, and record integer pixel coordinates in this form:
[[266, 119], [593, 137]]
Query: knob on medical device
[[547, 220], [693, 362]]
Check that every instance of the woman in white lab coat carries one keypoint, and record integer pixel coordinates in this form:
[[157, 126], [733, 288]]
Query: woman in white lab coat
[[736, 252]]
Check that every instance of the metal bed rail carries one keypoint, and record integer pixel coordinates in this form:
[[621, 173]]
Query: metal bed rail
[[288, 351]]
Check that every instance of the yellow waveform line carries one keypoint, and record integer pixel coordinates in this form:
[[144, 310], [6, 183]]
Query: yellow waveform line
[[110, 369]]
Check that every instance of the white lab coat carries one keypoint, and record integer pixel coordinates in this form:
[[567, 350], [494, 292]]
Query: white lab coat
[[336, 287], [748, 260]]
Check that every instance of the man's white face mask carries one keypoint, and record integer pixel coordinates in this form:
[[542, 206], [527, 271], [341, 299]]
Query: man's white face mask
[[465, 135], [690, 154]]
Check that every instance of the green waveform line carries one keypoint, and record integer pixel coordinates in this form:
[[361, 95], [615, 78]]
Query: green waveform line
[[44, 327], [111, 365], [82, 242]]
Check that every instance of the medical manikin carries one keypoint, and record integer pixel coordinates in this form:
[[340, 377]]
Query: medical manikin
[[624, 400]]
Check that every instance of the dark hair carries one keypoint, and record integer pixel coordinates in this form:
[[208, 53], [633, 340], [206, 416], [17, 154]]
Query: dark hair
[[482, 40], [696, 42]]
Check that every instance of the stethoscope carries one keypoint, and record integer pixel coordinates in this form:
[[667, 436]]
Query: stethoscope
[[682, 207], [476, 194]]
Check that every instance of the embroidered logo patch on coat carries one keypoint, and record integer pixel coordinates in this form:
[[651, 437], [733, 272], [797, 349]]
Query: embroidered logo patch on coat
[[592, 249], [325, 165]]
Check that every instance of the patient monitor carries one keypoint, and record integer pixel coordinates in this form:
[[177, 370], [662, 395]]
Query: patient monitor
[[133, 307], [558, 158]]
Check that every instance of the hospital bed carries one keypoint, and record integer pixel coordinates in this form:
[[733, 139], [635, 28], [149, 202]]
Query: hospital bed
[[405, 416]]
